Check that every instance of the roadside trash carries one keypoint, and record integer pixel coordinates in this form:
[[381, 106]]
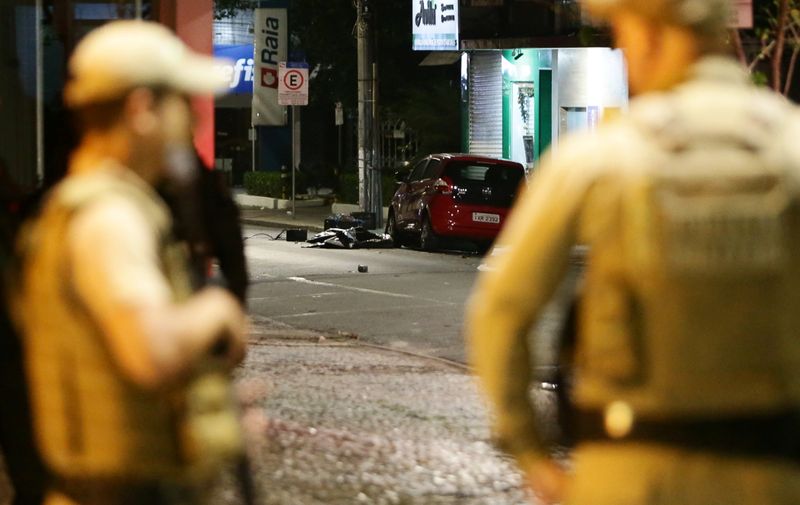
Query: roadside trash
[[367, 219], [362, 269], [354, 220], [344, 221], [297, 235], [351, 238]]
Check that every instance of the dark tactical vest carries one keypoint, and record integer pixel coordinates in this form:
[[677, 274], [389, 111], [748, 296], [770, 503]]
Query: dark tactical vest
[[693, 311]]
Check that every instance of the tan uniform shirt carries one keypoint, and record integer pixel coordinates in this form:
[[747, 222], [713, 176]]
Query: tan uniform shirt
[[643, 339], [101, 247]]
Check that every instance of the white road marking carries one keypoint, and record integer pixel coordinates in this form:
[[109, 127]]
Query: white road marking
[[303, 280], [350, 311], [315, 295]]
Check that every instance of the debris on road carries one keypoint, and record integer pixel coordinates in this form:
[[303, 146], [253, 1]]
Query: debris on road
[[351, 238]]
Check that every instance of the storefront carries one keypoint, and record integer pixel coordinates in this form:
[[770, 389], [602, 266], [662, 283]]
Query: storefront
[[36, 39], [232, 112], [518, 102]]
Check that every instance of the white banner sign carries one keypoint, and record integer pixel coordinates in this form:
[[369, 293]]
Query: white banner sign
[[434, 25], [272, 42]]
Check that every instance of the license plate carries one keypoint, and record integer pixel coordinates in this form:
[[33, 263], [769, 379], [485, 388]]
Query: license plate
[[481, 217]]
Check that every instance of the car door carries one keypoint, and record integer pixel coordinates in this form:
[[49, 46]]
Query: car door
[[420, 190], [405, 216], [429, 178]]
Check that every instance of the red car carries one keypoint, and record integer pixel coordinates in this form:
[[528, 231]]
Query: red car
[[453, 196]]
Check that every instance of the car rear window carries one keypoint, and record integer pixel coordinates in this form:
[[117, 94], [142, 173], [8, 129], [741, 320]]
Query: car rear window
[[463, 172]]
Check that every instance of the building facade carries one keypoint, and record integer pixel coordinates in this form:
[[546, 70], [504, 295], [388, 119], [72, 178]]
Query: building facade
[[530, 71], [36, 40], [516, 103]]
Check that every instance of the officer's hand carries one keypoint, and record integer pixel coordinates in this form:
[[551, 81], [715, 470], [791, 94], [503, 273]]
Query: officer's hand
[[236, 338], [231, 342], [547, 480]]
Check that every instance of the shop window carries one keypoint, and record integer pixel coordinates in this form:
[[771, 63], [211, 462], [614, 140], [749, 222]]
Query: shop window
[[523, 123]]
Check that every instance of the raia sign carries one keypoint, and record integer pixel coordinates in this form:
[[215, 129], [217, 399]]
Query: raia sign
[[271, 48]]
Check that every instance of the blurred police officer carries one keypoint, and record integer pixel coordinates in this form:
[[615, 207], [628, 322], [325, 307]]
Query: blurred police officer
[[113, 335], [687, 379]]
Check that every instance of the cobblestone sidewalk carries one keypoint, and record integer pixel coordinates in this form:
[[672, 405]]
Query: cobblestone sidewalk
[[349, 424]]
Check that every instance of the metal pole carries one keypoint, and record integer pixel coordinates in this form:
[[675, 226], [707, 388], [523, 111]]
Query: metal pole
[[138, 9], [340, 145], [39, 93], [254, 138], [295, 152]]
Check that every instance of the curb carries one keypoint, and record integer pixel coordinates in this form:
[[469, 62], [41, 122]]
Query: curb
[[266, 202], [428, 357], [266, 223]]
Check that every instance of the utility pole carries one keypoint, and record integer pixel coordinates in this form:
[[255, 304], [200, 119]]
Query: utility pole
[[39, 93], [369, 178]]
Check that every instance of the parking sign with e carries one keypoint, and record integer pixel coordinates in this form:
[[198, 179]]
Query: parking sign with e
[[292, 84]]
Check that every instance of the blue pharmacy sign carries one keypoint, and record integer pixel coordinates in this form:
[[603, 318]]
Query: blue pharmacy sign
[[240, 71]]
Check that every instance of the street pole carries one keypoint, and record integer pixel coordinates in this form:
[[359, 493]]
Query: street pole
[[296, 152], [39, 92], [376, 203], [364, 103], [253, 140], [340, 145]]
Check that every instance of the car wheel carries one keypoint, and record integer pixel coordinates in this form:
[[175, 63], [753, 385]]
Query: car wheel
[[391, 230], [428, 240]]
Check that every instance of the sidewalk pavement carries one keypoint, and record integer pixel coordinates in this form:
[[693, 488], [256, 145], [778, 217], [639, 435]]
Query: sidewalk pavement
[[333, 421], [310, 218]]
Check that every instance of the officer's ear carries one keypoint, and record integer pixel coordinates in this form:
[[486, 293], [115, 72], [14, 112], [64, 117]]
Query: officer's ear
[[140, 112]]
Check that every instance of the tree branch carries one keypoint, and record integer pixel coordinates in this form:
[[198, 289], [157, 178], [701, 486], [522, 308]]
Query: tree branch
[[780, 42], [736, 40], [790, 72], [762, 55]]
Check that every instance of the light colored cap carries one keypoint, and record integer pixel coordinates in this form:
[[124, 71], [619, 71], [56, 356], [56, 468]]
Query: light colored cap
[[703, 15], [123, 55]]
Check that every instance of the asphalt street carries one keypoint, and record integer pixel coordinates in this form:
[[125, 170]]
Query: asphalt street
[[408, 300]]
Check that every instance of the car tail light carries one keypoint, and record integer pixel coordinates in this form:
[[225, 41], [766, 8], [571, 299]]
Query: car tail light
[[443, 186]]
